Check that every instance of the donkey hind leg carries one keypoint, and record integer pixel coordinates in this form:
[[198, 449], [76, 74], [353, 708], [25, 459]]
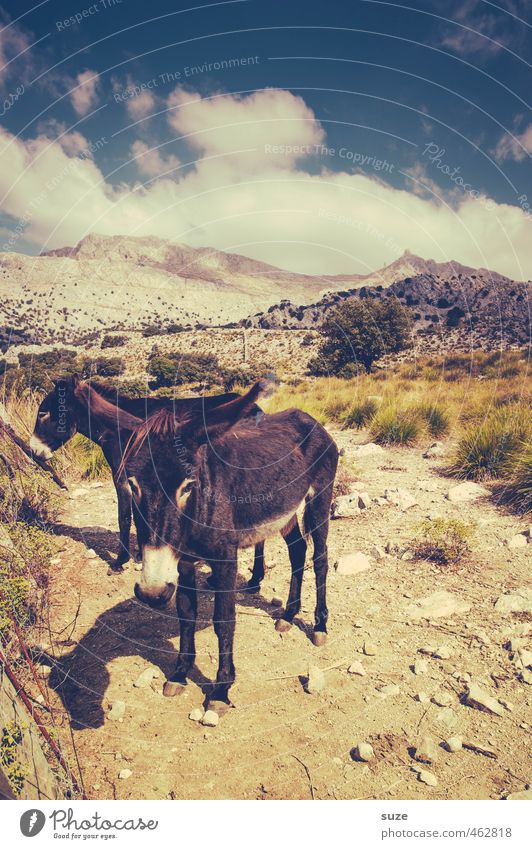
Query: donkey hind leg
[[297, 549], [224, 626], [253, 585], [186, 603], [317, 521], [123, 493]]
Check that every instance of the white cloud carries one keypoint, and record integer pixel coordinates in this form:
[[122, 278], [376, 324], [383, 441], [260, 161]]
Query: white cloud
[[265, 206], [84, 95], [140, 106], [516, 146], [150, 161]]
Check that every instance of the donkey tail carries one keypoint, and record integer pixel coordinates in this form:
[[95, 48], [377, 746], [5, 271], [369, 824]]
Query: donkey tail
[[307, 521]]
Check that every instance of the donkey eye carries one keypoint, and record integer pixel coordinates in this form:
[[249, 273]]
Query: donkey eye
[[43, 417]]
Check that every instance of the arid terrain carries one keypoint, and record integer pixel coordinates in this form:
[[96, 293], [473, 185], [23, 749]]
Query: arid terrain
[[415, 634]]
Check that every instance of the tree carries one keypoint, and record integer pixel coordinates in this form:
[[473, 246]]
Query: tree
[[358, 332]]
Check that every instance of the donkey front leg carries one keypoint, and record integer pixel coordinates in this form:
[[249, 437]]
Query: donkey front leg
[[224, 626], [187, 608], [123, 493]]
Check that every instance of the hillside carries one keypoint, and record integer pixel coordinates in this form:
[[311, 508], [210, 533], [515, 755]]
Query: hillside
[[129, 283]]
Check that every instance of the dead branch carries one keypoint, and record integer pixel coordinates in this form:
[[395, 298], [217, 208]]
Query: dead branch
[[7, 431]]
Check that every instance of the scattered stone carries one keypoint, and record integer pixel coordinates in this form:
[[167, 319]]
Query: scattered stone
[[210, 719], [478, 698], [517, 541], [437, 449], [427, 778], [506, 704], [454, 744], [447, 717], [522, 794], [125, 773], [442, 699], [443, 653], [276, 602], [427, 486], [525, 676], [378, 553], [43, 670], [363, 752], [421, 666], [145, 678], [402, 498], [517, 601], [356, 668], [90, 554], [482, 637], [364, 501], [440, 604], [466, 491], [196, 715], [422, 697], [118, 709], [345, 506], [367, 450], [315, 680], [353, 564], [138, 567], [389, 690], [407, 556], [517, 643], [96, 786], [525, 656], [427, 750], [369, 649]]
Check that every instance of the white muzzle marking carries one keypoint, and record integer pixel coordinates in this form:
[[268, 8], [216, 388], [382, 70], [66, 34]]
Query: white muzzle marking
[[40, 448], [159, 567]]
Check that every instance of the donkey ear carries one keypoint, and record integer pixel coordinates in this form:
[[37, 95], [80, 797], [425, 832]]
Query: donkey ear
[[75, 380], [220, 419]]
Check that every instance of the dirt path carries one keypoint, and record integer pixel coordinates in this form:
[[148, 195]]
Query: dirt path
[[279, 735]]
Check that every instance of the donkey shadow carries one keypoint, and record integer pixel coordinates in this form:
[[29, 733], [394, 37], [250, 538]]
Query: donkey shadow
[[81, 678], [104, 542]]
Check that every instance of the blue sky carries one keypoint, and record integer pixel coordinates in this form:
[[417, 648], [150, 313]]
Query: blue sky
[[285, 131]]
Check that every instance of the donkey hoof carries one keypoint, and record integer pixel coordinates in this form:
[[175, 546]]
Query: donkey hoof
[[252, 587], [173, 688], [282, 626], [115, 569], [219, 707], [319, 638]]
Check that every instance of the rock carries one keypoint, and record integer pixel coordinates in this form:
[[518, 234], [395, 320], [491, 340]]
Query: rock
[[196, 715], [442, 699], [363, 752], [315, 680], [364, 501], [276, 602], [447, 717], [369, 649], [517, 541], [420, 666], [43, 670], [145, 678], [407, 556], [90, 554], [440, 604], [465, 492], [353, 564], [521, 794], [402, 498], [422, 697], [389, 690], [517, 601], [427, 778], [371, 448], [125, 773], [345, 506], [506, 704], [525, 656], [378, 553], [138, 567], [525, 676], [478, 698], [427, 750], [453, 744], [210, 719], [356, 668], [443, 653], [437, 449], [427, 486], [118, 709]]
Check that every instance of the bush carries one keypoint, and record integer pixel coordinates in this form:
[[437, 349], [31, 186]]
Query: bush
[[102, 367], [391, 426], [444, 541], [518, 490], [358, 332], [109, 341], [438, 421], [177, 369], [493, 449], [361, 413]]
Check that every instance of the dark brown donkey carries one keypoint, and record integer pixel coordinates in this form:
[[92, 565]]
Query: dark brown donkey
[[73, 407], [205, 487]]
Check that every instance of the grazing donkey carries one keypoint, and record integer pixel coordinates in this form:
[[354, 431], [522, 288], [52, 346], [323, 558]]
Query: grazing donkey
[[74, 407], [203, 488]]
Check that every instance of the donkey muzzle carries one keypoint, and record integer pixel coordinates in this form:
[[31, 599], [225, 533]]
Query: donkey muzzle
[[155, 596]]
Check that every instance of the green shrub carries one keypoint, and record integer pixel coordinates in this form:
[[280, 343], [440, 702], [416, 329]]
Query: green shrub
[[492, 449], [361, 413], [396, 427], [437, 419], [88, 458], [110, 341], [14, 770], [177, 369], [444, 541], [518, 489]]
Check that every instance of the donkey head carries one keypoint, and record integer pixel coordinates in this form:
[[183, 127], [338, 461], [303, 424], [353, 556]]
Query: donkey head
[[56, 418], [162, 462]]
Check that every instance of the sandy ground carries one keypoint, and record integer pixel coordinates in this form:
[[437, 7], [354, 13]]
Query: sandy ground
[[281, 742]]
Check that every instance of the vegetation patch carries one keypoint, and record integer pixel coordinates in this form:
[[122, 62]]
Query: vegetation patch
[[444, 541]]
